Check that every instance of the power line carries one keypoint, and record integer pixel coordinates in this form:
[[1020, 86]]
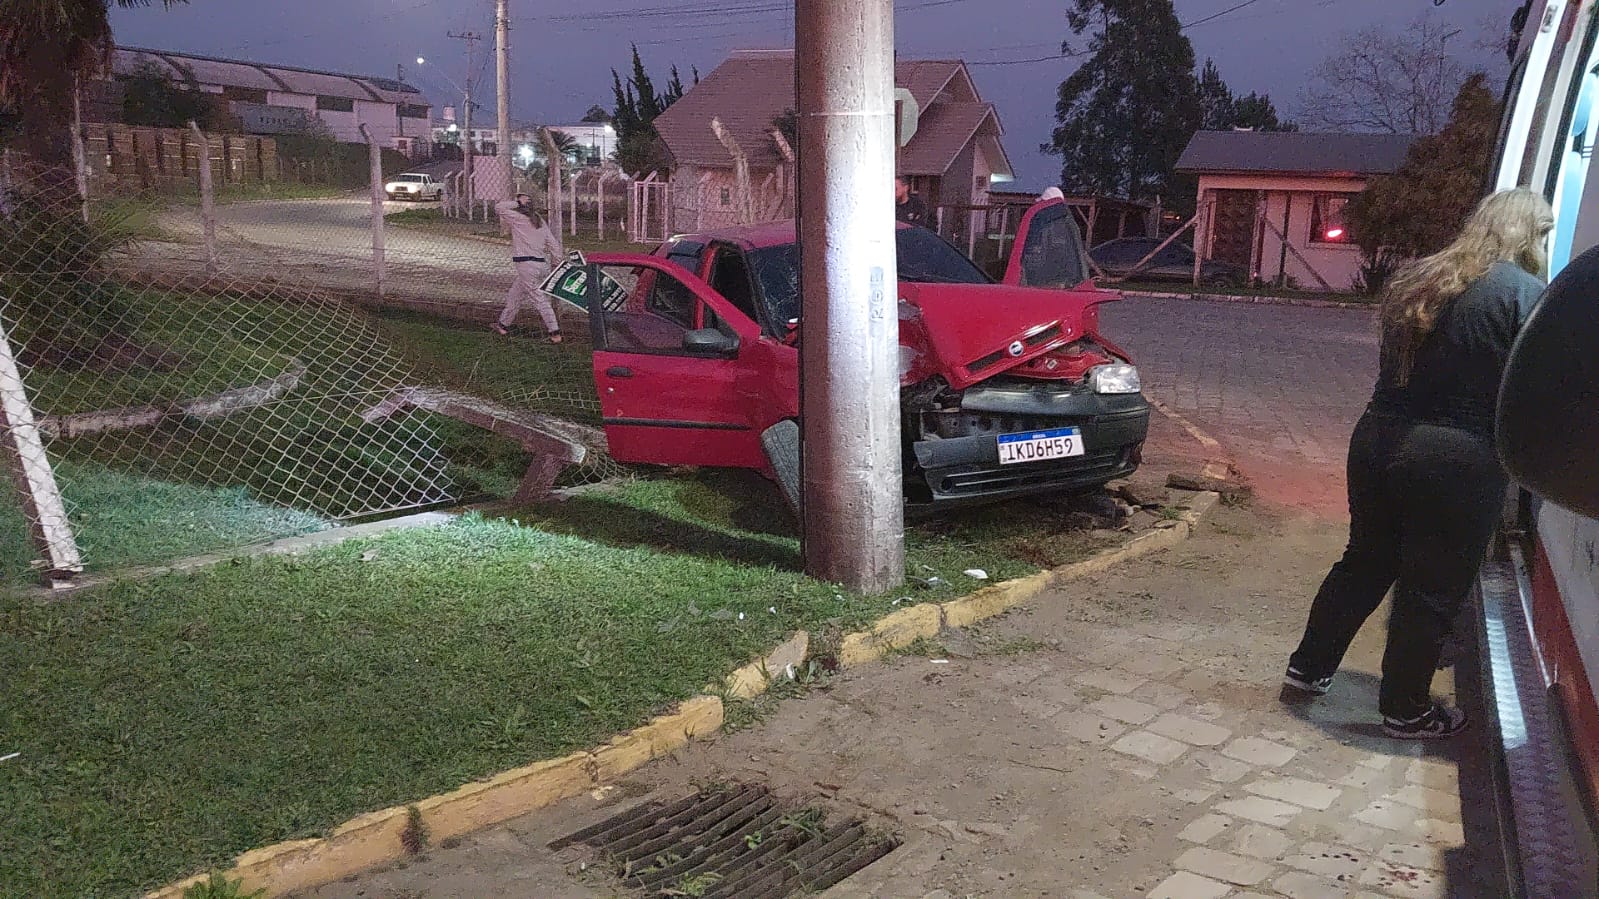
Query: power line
[[1076, 53]]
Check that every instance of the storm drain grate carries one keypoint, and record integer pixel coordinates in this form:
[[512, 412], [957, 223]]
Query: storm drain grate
[[738, 841]]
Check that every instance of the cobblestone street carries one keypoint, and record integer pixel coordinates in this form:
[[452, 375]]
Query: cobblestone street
[[1279, 386]]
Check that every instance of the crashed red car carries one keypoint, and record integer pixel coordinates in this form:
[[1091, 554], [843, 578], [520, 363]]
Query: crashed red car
[[1007, 388]]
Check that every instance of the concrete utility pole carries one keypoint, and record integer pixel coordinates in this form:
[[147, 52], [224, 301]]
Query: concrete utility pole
[[470, 38], [849, 347], [502, 88]]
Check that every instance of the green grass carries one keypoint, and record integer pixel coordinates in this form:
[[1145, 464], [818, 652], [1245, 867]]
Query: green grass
[[122, 519], [168, 724]]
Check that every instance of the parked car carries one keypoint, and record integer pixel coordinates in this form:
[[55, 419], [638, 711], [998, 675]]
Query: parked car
[[414, 186], [1006, 388], [1175, 262]]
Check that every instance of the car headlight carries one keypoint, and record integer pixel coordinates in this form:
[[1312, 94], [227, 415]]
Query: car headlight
[[907, 359], [1115, 379]]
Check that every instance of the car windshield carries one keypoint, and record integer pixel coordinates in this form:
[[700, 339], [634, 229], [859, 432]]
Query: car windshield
[[409, 178], [924, 257]]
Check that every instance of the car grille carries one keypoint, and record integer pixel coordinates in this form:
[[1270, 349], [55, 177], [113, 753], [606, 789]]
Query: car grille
[[1050, 333], [1037, 475], [950, 425]]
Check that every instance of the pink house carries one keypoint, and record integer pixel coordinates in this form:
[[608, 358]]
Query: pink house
[[1274, 202]]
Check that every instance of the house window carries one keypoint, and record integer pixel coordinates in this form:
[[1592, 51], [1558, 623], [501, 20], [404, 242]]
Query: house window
[[246, 94], [1328, 223], [335, 104], [413, 111], [727, 197]]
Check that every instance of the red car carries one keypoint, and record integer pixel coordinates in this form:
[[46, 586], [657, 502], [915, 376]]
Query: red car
[[1006, 388]]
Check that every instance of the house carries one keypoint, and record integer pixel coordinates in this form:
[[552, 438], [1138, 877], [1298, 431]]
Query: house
[[275, 99], [953, 157], [1274, 202]]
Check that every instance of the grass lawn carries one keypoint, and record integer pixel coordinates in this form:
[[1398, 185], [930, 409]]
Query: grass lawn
[[166, 725], [121, 519]]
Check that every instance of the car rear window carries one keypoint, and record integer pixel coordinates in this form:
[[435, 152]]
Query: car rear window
[[924, 257]]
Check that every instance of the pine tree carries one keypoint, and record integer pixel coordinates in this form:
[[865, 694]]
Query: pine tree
[[1127, 113], [674, 90], [649, 105], [1218, 108]]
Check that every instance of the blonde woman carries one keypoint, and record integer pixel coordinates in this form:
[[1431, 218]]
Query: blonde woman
[[1425, 487]]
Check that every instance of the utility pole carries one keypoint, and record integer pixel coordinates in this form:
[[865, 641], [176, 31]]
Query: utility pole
[[502, 89], [470, 38], [854, 512]]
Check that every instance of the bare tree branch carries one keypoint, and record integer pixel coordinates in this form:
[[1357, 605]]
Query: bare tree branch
[[1378, 80]]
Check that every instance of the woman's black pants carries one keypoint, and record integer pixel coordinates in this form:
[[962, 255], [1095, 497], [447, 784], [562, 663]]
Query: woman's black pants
[[1423, 502]]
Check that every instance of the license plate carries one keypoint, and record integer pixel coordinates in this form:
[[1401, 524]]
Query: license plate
[[1038, 446]]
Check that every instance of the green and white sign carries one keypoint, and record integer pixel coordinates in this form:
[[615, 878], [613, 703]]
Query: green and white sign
[[569, 281]]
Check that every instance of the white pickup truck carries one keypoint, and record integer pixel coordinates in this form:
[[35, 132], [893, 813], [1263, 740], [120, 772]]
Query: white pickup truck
[[413, 186]]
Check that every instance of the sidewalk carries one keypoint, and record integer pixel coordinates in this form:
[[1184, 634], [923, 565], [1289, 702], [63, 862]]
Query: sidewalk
[[1117, 739]]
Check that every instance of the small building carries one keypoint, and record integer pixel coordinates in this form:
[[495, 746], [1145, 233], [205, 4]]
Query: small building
[[954, 156], [274, 99], [1274, 202]]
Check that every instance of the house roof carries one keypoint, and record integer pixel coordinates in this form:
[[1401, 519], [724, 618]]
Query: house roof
[[262, 76], [1297, 153], [942, 133], [753, 87]]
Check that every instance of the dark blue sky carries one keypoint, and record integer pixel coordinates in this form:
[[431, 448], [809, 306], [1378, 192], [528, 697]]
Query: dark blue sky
[[563, 53]]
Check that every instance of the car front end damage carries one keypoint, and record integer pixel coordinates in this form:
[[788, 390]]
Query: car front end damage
[[1052, 407]]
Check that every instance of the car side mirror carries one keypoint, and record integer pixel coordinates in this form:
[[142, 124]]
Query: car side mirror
[[710, 342], [1548, 417]]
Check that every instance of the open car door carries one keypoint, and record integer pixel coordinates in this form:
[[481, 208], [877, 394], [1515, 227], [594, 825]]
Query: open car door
[[1048, 251], [676, 381]]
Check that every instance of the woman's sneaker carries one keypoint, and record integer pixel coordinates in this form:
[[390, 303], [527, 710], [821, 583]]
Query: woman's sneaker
[[1436, 723], [1299, 680]]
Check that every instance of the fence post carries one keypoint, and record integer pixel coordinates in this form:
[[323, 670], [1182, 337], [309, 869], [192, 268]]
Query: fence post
[[552, 161], [375, 155], [208, 208], [34, 478], [80, 159], [599, 192], [571, 226]]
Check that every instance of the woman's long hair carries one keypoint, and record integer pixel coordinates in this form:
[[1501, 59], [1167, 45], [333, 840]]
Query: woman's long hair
[[1508, 226]]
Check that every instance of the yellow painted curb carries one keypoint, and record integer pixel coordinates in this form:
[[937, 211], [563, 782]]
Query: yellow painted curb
[[375, 838]]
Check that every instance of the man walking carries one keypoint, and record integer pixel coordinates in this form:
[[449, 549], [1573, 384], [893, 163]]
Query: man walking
[[534, 250], [908, 207]]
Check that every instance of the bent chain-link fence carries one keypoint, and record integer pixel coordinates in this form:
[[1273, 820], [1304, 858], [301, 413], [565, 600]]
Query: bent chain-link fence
[[200, 368]]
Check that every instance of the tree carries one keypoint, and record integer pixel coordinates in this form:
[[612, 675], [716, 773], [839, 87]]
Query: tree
[[46, 48], [596, 115], [150, 98], [1217, 107], [1396, 82], [1223, 111], [1127, 113], [638, 148], [1419, 209]]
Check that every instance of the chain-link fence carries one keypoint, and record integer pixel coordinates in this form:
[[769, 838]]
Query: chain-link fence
[[187, 367]]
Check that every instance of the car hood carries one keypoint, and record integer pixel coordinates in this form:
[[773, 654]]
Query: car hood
[[972, 332]]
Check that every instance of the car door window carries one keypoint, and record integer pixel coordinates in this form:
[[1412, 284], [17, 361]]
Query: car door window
[[1175, 254], [660, 312], [1052, 255], [730, 277], [688, 254]]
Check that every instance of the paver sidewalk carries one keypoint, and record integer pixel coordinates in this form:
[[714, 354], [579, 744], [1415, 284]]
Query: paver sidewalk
[[1116, 739]]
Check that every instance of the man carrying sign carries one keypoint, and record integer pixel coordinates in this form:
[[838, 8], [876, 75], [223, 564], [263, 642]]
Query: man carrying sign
[[534, 249]]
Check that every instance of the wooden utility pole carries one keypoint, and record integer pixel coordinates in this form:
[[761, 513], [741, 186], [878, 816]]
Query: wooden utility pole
[[853, 506]]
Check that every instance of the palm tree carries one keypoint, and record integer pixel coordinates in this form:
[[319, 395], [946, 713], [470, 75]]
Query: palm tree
[[46, 48], [566, 145]]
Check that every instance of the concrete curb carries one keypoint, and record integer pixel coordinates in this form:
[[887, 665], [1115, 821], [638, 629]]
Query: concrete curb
[[379, 837], [1252, 300]]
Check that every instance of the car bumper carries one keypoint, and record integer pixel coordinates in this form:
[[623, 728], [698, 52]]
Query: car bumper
[[958, 471]]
